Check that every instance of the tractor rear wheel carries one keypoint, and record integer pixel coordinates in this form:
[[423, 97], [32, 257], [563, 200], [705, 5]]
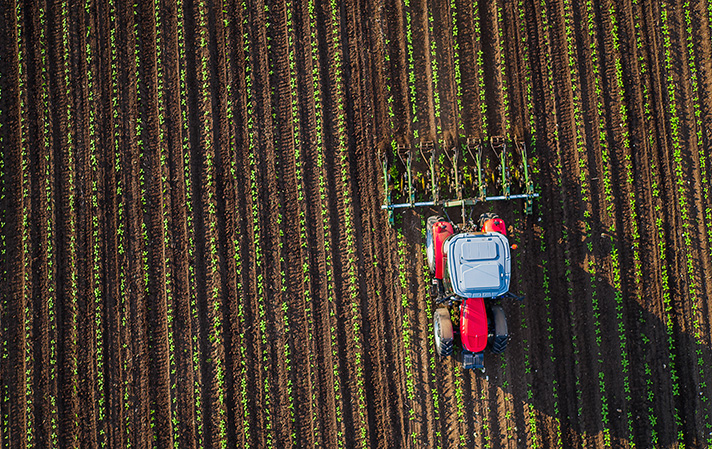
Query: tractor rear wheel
[[501, 333], [442, 326], [430, 242]]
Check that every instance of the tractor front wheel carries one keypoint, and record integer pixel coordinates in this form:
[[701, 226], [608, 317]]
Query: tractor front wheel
[[442, 326], [501, 333]]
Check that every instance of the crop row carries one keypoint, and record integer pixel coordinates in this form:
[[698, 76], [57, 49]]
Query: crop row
[[650, 140], [456, 66], [680, 183], [609, 195], [411, 65], [96, 272], [284, 143], [167, 242], [49, 197], [530, 416], [584, 176], [187, 161], [316, 84]]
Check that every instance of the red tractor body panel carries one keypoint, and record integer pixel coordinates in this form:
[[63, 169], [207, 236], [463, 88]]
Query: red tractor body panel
[[495, 225], [441, 231], [473, 324]]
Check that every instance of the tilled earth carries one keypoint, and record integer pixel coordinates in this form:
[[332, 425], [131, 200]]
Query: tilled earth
[[193, 251]]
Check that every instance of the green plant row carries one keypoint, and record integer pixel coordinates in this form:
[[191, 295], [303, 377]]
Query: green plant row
[[26, 412], [529, 414], [608, 189], [72, 288], [432, 357], [412, 96], [502, 65], [479, 66], [647, 114], [434, 69], [456, 67], [680, 182], [50, 200], [96, 250], [186, 149], [406, 331], [584, 176], [167, 238], [325, 217]]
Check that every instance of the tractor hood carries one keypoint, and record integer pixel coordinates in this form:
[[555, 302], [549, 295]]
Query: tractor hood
[[478, 265]]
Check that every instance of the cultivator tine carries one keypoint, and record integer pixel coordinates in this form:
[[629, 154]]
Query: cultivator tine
[[405, 152], [456, 175], [427, 146], [475, 144], [386, 175], [528, 182], [499, 146]]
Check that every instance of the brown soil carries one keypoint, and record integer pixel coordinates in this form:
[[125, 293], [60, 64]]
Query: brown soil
[[193, 252]]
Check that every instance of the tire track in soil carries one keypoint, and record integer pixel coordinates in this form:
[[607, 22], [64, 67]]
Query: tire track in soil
[[136, 364], [370, 219], [390, 315], [285, 139], [115, 244], [606, 160], [568, 105], [193, 419], [230, 214], [86, 357], [640, 191], [262, 401], [269, 197], [396, 68], [208, 112], [337, 75], [363, 170], [323, 285], [152, 222], [550, 105], [235, 348], [66, 230]]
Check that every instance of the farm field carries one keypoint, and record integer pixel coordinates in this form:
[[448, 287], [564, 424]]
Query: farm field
[[193, 251]]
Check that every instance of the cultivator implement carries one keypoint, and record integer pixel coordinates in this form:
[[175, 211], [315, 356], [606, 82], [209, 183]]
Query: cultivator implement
[[466, 171]]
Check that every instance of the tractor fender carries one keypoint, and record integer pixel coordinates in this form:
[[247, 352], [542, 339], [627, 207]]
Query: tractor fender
[[495, 225], [473, 324], [441, 231]]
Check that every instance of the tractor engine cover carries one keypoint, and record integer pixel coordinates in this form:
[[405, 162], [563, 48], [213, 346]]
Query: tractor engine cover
[[478, 265], [473, 324]]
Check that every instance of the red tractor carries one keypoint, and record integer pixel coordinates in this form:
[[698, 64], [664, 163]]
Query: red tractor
[[471, 268]]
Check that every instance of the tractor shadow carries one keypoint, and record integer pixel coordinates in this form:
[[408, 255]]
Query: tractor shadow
[[571, 343]]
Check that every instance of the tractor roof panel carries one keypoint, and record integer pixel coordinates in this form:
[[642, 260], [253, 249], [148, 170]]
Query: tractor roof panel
[[479, 265]]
